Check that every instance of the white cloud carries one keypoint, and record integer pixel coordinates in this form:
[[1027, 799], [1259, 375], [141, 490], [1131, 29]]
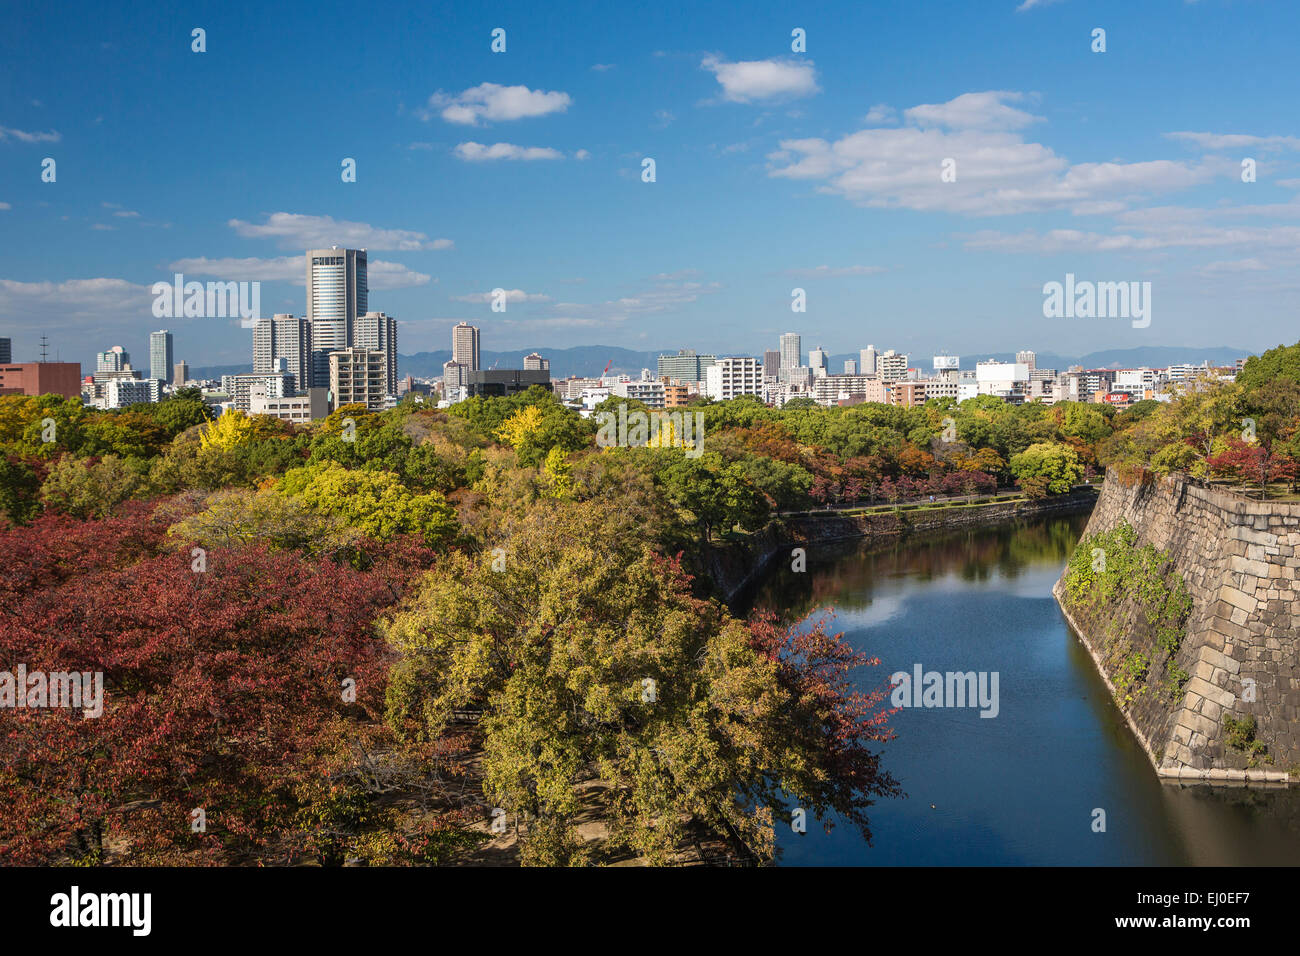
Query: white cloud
[[987, 110], [24, 137], [826, 272], [383, 275], [493, 102], [379, 274], [84, 304], [1031, 4], [1155, 237], [880, 114], [998, 172], [1233, 266], [296, 231], [752, 80], [251, 269], [5, 205], [582, 154], [477, 152], [511, 295], [1217, 141]]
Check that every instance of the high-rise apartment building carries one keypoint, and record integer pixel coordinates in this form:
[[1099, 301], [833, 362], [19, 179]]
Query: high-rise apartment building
[[729, 377], [160, 356], [817, 361], [771, 363], [282, 344], [891, 366], [6, 351], [850, 367], [464, 345], [180, 374], [791, 350], [455, 374], [337, 292], [1026, 357], [358, 376], [378, 332], [535, 362], [867, 360], [686, 366]]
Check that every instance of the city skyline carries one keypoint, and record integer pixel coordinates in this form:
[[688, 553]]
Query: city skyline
[[775, 170]]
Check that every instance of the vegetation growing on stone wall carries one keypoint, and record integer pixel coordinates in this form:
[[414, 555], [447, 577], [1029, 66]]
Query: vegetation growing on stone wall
[[1110, 570], [1240, 735]]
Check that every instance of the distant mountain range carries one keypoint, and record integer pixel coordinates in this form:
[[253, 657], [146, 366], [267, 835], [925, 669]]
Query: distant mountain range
[[589, 360]]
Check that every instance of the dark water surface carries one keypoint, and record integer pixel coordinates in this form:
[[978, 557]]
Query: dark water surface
[[1022, 787]]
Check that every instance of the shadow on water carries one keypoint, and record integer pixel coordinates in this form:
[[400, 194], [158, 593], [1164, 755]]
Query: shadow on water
[[1024, 787]]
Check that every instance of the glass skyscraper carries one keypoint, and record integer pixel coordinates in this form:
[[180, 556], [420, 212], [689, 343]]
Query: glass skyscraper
[[160, 356]]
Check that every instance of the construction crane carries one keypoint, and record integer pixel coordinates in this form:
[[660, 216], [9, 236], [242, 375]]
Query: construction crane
[[607, 365]]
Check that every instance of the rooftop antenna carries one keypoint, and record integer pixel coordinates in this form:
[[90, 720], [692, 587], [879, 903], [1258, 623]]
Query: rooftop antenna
[[44, 347]]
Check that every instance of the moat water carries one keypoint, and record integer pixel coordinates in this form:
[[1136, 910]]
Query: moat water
[[1022, 787]]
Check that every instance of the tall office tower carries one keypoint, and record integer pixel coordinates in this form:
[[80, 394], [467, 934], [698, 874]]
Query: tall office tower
[[6, 351], [867, 361], [535, 362], [283, 343], [180, 374], [771, 363], [817, 361], [464, 345], [160, 356], [377, 331], [1026, 358], [113, 360], [337, 292], [791, 350]]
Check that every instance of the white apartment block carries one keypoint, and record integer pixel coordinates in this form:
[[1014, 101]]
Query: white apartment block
[[1009, 381], [728, 378], [833, 389], [940, 387], [123, 392], [891, 366], [649, 392], [240, 387], [299, 409], [1134, 380]]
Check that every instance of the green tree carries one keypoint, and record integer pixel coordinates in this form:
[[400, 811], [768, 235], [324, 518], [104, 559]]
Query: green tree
[[85, 488], [588, 658], [1048, 468], [376, 502]]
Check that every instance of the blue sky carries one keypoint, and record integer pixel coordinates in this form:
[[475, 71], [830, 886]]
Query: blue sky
[[774, 170]]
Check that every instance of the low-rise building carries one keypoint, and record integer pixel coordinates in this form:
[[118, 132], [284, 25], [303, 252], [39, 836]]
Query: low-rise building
[[41, 378], [299, 409]]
